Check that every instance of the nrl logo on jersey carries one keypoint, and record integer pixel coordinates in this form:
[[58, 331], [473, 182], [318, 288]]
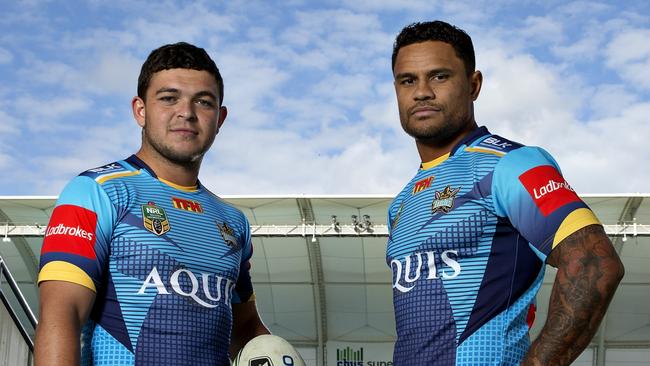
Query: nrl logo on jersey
[[155, 219], [444, 201], [228, 235]]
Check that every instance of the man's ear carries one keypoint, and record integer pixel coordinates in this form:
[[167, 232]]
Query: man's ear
[[223, 112], [138, 109], [475, 82]]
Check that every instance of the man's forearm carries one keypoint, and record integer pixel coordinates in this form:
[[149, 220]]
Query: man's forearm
[[56, 344], [589, 271]]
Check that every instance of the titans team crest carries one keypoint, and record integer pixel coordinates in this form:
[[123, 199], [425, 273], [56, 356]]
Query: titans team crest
[[444, 201]]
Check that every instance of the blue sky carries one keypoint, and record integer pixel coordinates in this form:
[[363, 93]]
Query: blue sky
[[309, 88]]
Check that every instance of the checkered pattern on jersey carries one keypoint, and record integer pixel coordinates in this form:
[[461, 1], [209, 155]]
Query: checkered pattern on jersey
[[152, 317], [178, 331], [107, 351], [431, 316], [504, 339]]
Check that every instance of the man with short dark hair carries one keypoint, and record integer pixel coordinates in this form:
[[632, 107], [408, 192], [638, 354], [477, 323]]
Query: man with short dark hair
[[471, 233], [139, 257]]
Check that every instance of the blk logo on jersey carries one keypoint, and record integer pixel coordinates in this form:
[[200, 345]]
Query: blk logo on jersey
[[404, 281], [155, 219], [185, 283], [444, 201], [548, 188], [187, 205], [228, 235], [71, 230], [421, 185]]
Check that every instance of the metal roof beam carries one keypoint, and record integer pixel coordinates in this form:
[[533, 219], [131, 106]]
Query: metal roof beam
[[316, 265]]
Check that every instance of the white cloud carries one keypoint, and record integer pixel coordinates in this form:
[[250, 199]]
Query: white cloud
[[629, 55]]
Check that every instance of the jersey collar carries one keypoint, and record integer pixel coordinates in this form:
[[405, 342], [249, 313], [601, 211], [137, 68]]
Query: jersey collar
[[470, 138], [139, 164], [466, 141]]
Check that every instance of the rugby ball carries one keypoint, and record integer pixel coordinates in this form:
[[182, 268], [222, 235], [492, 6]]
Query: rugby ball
[[268, 350]]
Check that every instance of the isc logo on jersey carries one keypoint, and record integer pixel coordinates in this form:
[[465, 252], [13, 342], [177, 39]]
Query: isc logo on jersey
[[200, 293], [404, 281]]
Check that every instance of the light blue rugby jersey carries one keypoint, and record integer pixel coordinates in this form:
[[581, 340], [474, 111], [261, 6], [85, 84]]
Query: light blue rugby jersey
[[469, 235], [162, 259]]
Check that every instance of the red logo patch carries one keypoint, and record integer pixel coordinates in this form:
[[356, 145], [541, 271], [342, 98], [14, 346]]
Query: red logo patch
[[71, 230], [548, 188], [422, 184], [187, 205]]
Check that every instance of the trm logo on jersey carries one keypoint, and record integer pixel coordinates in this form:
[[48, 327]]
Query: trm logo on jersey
[[228, 235], [187, 205], [155, 219], [422, 184], [444, 201]]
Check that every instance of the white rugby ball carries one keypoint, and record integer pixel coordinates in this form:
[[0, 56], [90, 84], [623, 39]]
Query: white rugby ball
[[268, 350]]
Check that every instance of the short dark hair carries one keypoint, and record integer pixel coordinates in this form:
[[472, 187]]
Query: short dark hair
[[181, 55], [438, 31]]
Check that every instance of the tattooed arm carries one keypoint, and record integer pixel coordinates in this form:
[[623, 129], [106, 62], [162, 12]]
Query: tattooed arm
[[589, 271]]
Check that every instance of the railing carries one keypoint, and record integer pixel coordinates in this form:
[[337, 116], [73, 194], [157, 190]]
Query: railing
[[4, 271]]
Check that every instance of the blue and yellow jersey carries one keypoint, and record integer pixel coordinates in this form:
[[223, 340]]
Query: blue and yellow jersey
[[469, 235], [166, 262]]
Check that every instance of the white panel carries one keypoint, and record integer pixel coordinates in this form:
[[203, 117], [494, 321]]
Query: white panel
[[288, 310], [628, 318], [342, 259], [377, 271], [354, 313], [627, 357], [585, 359], [607, 209], [14, 350], [308, 355], [286, 259]]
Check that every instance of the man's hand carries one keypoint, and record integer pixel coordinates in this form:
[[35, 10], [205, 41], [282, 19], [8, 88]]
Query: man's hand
[[246, 325], [588, 272]]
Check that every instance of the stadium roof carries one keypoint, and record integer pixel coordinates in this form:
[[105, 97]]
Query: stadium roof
[[319, 278]]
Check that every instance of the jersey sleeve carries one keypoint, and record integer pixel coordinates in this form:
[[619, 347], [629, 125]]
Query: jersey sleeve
[[244, 286], [531, 192], [76, 243]]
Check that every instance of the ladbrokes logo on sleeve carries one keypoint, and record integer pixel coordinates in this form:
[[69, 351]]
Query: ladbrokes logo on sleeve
[[548, 188], [71, 230]]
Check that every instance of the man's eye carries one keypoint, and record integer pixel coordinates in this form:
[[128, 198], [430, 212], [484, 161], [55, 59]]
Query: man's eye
[[440, 77], [167, 98], [407, 81], [205, 103]]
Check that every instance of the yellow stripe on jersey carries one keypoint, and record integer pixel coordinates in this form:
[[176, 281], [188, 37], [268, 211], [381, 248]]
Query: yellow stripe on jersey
[[487, 151], [177, 186], [435, 162], [107, 177], [64, 271], [575, 221]]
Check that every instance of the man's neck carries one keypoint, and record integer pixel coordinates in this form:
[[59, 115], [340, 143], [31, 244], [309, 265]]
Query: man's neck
[[431, 151], [186, 176]]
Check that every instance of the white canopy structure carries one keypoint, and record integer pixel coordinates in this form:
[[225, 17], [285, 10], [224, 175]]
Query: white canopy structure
[[321, 277]]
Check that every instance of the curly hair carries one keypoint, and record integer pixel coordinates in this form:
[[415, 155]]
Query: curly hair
[[437, 31], [179, 55]]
